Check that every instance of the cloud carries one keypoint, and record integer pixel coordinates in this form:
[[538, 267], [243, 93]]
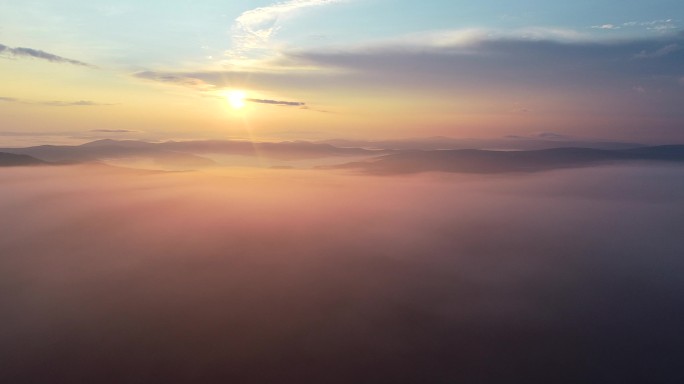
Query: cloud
[[33, 133], [495, 62], [260, 101], [552, 136], [663, 25], [179, 79], [85, 103], [468, 61], [606, 26], [113, 131], [41, 55], [277, 102], [469, 38], [54, 103], [573, 76], [254, 29]]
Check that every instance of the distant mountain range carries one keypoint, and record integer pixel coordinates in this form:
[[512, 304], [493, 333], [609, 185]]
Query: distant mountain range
[[543, 141], [379, 158], [184, 154], [482, 161]]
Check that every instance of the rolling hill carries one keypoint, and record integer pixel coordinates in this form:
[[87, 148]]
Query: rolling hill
[[13, 160]]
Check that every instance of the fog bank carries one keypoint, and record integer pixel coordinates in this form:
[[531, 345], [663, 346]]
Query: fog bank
[[255, 276]]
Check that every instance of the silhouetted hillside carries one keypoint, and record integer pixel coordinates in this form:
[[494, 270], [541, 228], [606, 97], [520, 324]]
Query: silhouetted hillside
[[110, 149], [190, 154], [11, 160], [503, 143], [286, 150], [479, 161]]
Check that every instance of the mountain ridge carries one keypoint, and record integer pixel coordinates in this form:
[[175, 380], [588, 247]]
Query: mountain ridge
[[191, 155], [486, 161]]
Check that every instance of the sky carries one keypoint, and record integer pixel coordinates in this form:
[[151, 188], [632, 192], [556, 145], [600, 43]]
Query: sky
[[322, 69]]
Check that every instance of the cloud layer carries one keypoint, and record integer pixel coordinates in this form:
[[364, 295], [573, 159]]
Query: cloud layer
[[254, 29], [663, 26], [528, 72], [470, 60], [54, 103], [114, 276], [113, 130]]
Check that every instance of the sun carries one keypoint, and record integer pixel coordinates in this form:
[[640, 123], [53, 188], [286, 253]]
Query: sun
[[236, 99]]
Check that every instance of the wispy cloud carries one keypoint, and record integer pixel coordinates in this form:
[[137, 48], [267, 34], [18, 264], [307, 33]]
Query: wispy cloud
[[277, 102], [467, 39], [606, 26], [10, 52], [654, 25], [663, 25], [79, 103], [113, 131], [300, 104], [54, 103], [179, 79], [254, 29]]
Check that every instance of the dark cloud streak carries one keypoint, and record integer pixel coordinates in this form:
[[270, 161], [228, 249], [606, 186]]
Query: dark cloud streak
[[55, 103], [80, 103], [113, 130], [277, 102], [42, 55], [507, 62]]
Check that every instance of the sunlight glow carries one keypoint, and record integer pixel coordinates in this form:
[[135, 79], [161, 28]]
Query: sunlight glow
[[236, 99]]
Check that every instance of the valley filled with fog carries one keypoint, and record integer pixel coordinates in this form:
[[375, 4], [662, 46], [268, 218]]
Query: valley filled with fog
[[116, 275]]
